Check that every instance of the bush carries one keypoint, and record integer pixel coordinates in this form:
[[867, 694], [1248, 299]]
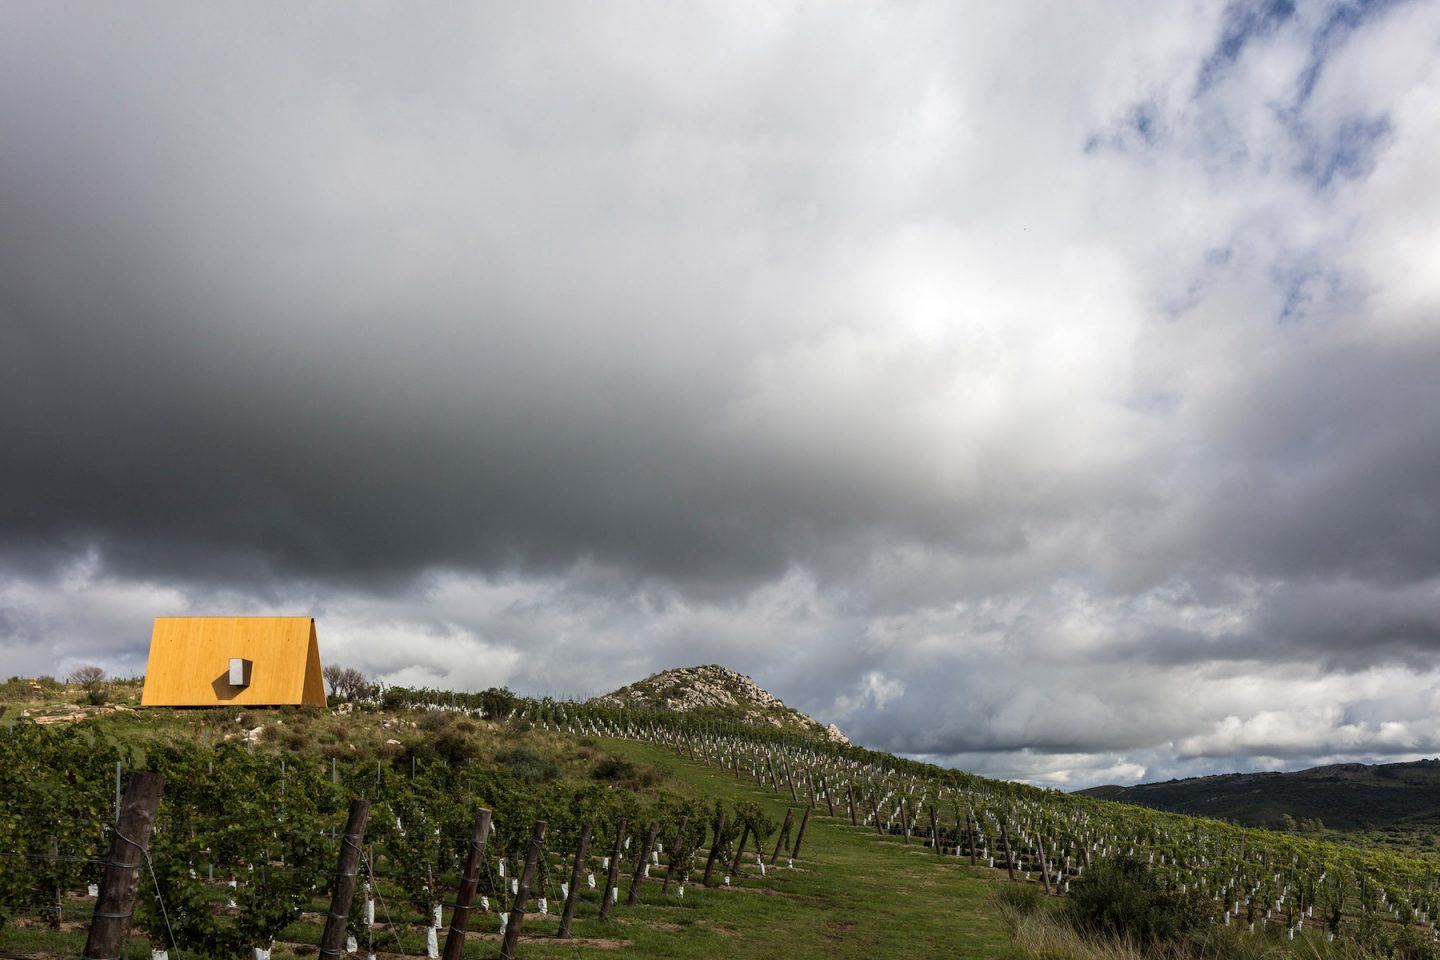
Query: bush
[[622, 771], [434, 721], [454, 745], [1122, 898], [613, 769], [527, 765], [92, 682]]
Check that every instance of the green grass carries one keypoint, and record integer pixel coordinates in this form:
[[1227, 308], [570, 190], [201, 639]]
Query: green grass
[[853, 894]]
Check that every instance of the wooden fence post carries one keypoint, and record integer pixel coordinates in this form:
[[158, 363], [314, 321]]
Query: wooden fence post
[[854, 822], [1009, 860], [875, 806], [714, 847], [790, 779], [120, 883], [522, 893], [783, 835], [572, 896], [347, 866], [675, 852], [641, 864], [800, 836], [613, 875], [469, 880], [829, 800]]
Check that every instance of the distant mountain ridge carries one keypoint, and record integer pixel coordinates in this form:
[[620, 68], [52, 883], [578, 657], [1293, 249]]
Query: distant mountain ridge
[[1344, 796], [718, 689]]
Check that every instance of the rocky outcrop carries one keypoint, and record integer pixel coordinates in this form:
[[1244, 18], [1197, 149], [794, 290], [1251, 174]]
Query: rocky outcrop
[[715, 688]]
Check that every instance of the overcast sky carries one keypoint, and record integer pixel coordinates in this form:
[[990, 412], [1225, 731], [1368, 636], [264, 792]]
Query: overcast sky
[[1049, 389]]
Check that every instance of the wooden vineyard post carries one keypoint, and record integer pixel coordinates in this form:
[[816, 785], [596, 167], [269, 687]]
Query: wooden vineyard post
[[905, 819], [782, 835], [714, 847], [675, 853], [740, 850], [829, 800], [875, 806], [800, 835], [572, 895], [522, 893], [971, 835], [332, 941], [1044, 867], [774, 780], [642, 863], [1005, 841], [120, 883], [613, 876], [810, 785], [469, 880], [790, 778], [851, 788]]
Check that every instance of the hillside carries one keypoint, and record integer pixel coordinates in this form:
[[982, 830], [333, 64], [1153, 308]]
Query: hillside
[[899, 858], [838, 900], [716, 689], [1345, 796]]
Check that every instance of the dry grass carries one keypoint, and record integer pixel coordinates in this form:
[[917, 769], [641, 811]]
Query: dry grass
[[1042, 933]]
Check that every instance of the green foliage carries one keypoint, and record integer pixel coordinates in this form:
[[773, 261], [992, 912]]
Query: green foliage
[[1123, 898], [527, 765], [29, 688]]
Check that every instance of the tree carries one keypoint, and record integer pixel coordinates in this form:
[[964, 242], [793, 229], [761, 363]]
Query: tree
[[90, 679], [346, 683]]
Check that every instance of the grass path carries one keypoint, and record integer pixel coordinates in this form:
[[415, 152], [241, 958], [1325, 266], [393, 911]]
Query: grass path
[[856, 894]]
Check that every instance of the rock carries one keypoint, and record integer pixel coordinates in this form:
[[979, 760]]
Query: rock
[[717, 688]]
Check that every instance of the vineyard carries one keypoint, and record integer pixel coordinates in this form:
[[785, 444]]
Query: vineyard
[[431, 849]]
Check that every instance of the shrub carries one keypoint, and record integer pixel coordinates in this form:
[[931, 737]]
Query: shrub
[[622, 771], [92, 683], [1122, 898], [527, 765], [436, 720], [454, 745], [614, 769]]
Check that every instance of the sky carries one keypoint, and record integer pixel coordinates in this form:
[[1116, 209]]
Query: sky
[[1048, 390]]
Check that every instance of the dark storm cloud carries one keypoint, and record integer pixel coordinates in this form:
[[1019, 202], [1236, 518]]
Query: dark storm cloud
[[554, 344]]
